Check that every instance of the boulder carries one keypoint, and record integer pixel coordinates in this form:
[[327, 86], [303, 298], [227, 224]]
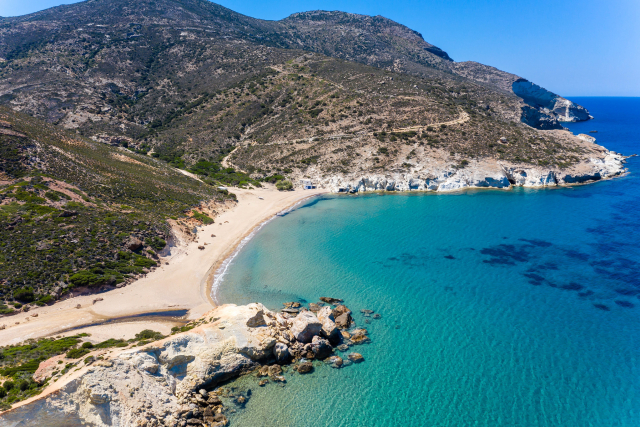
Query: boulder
[[305, 326], [339, 311], [359, 336], [133, 244], [344, 321], [329, 329], [334, 361], [274, 371], [282, 353], [321, 348], [257, 319], [305, 367], [356, 357], [332, 301]]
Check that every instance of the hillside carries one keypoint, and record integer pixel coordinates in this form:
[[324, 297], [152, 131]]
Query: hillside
[[77, 214], [116, 70]]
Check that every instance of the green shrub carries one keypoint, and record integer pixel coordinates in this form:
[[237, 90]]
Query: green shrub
[[44, 300], [148, 334], [112, 342], [86, 278], [156, 243], [284, 185], [5, 310], [87, 345], [144, 262], [24, 295], [76, 353], [202, 217], [8, 385]]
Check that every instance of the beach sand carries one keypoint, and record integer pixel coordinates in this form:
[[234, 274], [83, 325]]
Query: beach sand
[[182, 284]]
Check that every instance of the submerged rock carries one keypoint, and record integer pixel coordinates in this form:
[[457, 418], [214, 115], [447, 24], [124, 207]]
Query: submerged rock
[[356, 357], [305, 367], [334, 361], [332, 301]]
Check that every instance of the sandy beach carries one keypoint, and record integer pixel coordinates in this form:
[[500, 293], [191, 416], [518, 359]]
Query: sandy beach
[[182, 284]]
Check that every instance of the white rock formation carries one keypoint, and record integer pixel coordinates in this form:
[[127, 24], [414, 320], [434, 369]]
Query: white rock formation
[[149, 385], [481, 174]]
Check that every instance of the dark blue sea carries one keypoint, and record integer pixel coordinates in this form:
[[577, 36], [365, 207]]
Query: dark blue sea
[[499, 309]]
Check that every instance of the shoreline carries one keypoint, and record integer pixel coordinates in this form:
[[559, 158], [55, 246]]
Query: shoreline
[[176, 268], [215, 276], [182, 281]]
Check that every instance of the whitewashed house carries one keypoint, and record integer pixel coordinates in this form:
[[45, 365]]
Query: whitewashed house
[[307, 184]]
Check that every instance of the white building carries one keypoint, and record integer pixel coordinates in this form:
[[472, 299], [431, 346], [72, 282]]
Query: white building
[[307, 184]]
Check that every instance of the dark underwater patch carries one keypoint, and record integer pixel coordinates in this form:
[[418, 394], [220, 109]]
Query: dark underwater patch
[[505, 254], [585, 294], [537, 242], [535, 277], [602, 307], [627, 292], [574, 195], [577, 255], [449, 257], [625, 304], [573, 286]]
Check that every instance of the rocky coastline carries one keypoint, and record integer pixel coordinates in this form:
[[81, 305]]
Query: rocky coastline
[[179, 381], [480, 174]]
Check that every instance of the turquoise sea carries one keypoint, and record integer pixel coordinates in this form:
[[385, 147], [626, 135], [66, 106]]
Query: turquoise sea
[[499, 308]]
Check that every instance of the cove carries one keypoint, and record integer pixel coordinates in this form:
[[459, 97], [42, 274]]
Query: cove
[[518, 308]]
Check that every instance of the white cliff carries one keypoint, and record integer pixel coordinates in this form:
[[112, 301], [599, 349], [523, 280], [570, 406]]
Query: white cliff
[[481, 174]]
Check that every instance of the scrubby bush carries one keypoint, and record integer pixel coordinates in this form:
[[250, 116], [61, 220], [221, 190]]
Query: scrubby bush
[[86, 278], [284, 185], [76, 353], [24, 295], [156, 243]]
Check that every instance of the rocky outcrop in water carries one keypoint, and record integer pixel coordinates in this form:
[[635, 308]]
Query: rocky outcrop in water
[[170, 382]]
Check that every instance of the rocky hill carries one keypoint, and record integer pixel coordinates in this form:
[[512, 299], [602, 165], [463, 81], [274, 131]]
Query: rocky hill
[[115, 69]]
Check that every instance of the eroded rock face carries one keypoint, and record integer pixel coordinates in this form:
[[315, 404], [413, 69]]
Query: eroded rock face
[[150, 382], [487, 173], [329, 329], [321, 348], [164, 379], [281, 352]]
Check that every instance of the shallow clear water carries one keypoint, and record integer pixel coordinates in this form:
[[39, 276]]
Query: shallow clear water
[[499, 308]]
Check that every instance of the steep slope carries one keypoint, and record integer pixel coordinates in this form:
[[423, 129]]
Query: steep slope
[[77, 213], [541, 101]]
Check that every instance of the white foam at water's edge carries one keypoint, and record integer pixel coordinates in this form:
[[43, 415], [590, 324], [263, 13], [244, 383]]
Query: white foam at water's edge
[[222, 270]]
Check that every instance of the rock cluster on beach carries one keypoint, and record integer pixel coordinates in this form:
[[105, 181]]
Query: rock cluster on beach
[[175, 381]]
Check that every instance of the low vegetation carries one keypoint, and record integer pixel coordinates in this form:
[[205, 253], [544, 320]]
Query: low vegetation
[[19, 362]]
